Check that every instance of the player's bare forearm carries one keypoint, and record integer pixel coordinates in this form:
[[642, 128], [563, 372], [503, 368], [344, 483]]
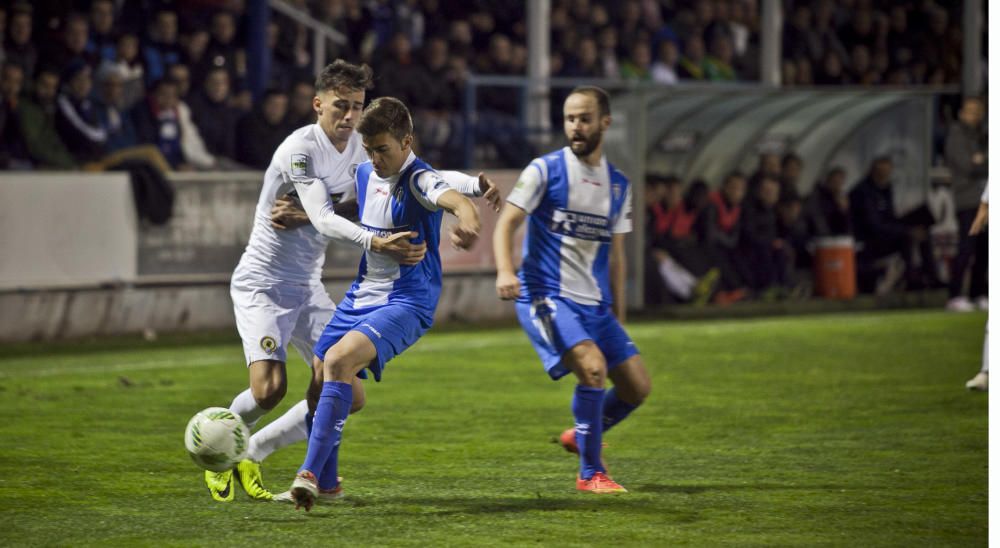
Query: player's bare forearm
[[618, 273], [511, 217], [467, 231], [981, 220]]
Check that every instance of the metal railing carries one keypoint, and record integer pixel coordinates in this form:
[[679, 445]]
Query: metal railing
[[320, 32]]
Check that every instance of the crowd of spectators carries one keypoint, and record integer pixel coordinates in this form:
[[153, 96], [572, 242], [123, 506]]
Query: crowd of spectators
[[110, 75], [755, 237]]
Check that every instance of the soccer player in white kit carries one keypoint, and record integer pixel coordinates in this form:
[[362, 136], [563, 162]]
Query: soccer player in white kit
[[981, 381], [278, 296]]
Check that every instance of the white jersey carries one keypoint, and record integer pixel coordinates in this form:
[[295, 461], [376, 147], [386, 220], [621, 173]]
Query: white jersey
[[297, 256]]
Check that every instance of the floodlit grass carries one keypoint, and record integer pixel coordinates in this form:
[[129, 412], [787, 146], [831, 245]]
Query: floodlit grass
[[850, 430]]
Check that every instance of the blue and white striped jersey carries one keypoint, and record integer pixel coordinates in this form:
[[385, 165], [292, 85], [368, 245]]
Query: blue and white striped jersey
[[574, 210], [404, 202]]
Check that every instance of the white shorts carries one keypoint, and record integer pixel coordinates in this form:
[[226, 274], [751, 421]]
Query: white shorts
[[269, 317]]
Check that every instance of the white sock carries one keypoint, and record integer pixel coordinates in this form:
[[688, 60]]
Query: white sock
[[986, 350], [282, 432], [246, 407]]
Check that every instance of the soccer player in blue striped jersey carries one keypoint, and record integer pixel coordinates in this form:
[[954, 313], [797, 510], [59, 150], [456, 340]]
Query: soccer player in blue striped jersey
[[390, 304], [570, 291]]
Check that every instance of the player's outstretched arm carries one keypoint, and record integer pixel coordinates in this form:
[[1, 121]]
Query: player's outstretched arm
[[324, 218], [479, 186], [511, 218], [287, 214], [467, 231], [618, 275]]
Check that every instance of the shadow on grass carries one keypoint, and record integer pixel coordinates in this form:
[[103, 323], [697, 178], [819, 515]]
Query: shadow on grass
[[634, 503], [444, 505], [699, 489]]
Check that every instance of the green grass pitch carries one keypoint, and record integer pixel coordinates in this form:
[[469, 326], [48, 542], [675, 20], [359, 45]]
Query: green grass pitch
[[844, 430]]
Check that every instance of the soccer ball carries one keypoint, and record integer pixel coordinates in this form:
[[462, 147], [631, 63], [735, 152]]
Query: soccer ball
[[217, 439]]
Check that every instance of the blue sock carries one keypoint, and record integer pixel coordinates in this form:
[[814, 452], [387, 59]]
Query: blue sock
[[324, 440], [615, 410], [587, 418]]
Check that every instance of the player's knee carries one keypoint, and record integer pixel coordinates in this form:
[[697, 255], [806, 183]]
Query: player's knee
[[340, 367], [593, 375], [269, 392]]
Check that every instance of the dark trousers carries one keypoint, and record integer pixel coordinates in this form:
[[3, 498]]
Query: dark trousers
[[733, 270], [970, 248], [768, 267]]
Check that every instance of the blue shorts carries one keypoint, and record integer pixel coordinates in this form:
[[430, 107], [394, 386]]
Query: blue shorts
[[556, 324], [392, 328]]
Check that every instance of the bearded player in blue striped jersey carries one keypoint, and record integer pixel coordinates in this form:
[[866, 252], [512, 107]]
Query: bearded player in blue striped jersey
[[578, 208], [390, 304]]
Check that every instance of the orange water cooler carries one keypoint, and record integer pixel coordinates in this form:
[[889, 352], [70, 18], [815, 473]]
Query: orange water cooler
[[833, 266]]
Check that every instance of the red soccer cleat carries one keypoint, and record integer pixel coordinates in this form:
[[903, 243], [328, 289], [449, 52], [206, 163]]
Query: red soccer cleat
[[304, 490], [600, 484], [568, 440]]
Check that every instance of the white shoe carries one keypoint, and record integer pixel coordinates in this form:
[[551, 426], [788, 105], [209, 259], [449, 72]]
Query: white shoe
[[983, 303], [980, 382], [960, 304], [304, 490], [324, 494]]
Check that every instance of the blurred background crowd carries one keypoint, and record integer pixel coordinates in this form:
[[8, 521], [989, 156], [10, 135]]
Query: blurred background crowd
[[154, 86], [85, 79]]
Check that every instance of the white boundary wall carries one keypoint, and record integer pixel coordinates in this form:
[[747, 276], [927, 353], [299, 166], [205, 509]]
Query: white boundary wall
[[76, 263], [59, 229]]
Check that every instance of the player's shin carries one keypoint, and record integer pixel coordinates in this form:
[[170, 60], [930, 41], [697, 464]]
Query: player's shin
[[615, 410], [331, 414], [587, 408]]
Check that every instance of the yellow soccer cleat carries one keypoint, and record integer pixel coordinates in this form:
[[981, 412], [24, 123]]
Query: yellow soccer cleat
[[248, 472], [220, 485]]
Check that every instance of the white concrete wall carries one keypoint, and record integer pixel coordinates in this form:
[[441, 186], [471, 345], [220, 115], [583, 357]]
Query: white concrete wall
[[68, 314]]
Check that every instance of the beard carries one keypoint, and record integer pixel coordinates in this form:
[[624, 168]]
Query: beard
[[584, 147]]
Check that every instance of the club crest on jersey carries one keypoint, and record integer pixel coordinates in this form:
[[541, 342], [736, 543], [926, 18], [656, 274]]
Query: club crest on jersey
[[354, 170], [580, 225], [268, 344], [617, 191], [300, 163]]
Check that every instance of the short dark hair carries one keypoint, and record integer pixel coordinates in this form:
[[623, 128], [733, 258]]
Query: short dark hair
[[386, 114], [340, 75], [602, 97]]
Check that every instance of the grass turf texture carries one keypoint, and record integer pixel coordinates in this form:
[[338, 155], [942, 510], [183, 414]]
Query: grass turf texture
[[836, 430]]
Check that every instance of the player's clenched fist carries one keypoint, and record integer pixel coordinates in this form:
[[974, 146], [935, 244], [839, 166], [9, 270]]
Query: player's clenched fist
[[508, 286]]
